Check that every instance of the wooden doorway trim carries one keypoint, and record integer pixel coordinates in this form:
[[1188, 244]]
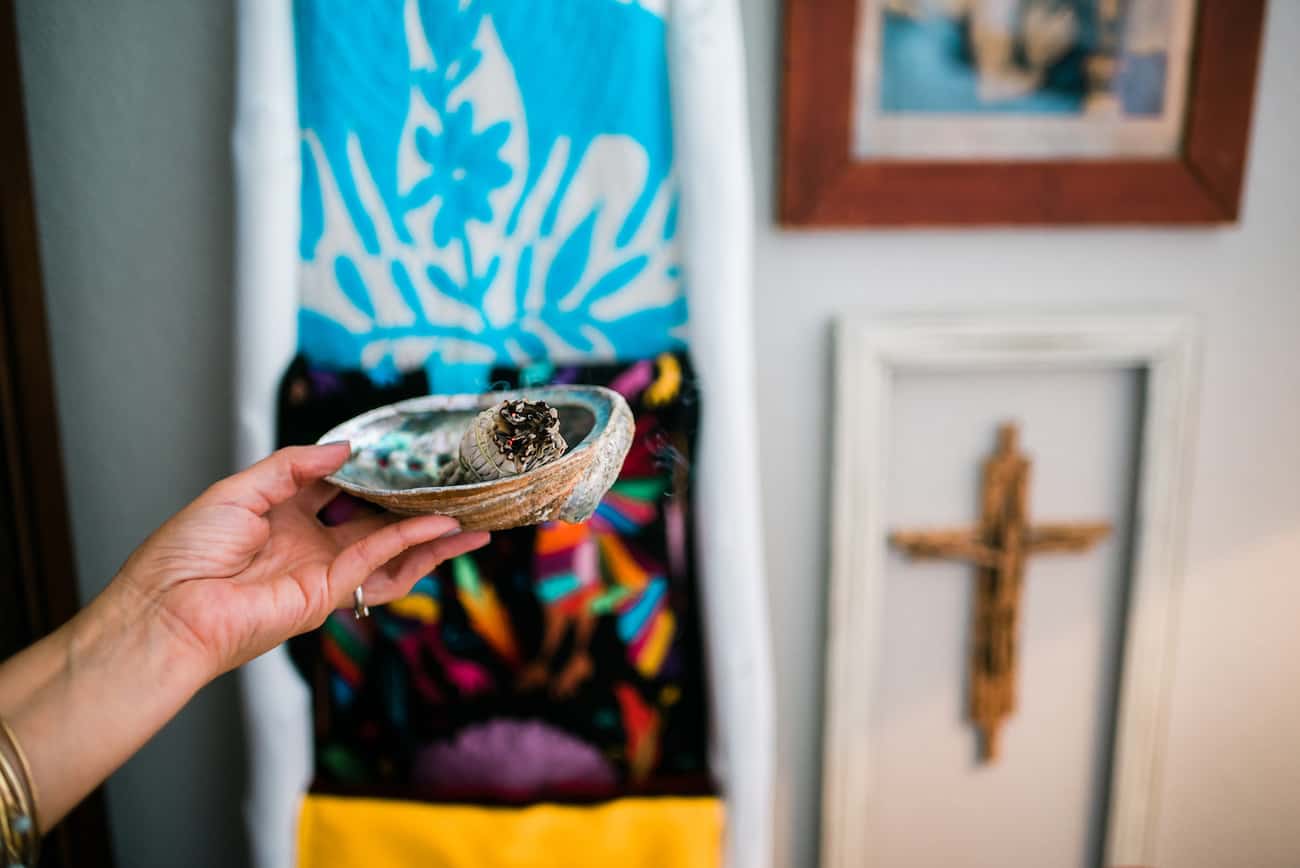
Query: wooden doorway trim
[[37, 572]]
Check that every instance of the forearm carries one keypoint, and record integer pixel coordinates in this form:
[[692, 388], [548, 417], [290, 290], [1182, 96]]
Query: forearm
[[117, 681], [22, 675]]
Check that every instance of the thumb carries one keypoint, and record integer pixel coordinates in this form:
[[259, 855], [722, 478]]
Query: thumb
[[279, 476]]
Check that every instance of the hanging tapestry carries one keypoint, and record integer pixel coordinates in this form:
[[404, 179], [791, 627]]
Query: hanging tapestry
[[485, 183], [560, 663]]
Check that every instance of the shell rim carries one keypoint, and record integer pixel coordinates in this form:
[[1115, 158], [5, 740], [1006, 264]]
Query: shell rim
[[594, 394]]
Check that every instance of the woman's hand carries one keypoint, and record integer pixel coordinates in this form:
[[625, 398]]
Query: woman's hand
[[247, 564], [239, 570]]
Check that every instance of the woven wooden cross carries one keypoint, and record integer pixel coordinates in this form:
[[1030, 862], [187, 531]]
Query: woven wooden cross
[[998, 547]]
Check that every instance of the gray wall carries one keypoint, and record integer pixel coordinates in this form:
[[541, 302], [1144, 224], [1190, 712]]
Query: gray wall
[[129, 107]]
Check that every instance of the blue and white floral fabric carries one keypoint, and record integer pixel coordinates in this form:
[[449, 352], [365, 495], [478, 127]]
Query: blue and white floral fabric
[[485, 182]]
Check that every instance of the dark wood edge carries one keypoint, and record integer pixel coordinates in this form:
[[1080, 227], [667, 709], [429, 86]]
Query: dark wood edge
[[42, 519], [1226, 65], [817, 94], [992, 194], [47, 579], [820, 186]]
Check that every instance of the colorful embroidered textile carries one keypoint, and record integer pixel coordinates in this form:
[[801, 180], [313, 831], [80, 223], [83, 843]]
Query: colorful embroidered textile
[[561, 662], [628, 833], [485, 183]]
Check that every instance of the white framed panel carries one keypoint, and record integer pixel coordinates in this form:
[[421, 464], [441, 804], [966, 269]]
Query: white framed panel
[[870, 355]]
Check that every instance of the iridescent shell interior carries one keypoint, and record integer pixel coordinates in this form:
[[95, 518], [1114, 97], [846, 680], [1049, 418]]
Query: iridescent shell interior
[[409, 449], [398, 450]]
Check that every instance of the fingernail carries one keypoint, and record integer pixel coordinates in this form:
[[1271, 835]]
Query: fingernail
[[346, 443]]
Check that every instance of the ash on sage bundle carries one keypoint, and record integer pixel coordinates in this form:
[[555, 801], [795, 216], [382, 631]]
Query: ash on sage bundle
[[511, 438]]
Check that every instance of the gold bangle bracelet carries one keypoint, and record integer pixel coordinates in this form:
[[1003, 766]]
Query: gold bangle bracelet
[[9, 844], [11, 802], [21, 833], [11, 808], [22, 828]]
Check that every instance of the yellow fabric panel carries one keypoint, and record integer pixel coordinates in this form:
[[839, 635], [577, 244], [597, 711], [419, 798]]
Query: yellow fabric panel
[[340, 832]]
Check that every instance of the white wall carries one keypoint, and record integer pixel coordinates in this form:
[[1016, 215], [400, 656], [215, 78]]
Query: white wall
[[129, 110], [1232, 787], [129, 107]]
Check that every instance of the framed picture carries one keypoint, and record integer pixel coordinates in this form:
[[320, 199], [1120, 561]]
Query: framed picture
[[865, 710], [952, 112]]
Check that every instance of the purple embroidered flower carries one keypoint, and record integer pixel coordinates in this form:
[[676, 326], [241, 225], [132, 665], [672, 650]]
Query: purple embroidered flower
[[512, 760]]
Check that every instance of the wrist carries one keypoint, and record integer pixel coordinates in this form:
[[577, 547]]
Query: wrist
[[119, 681], [123, 636]]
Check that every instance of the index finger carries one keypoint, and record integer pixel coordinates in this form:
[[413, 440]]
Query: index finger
[[279, 476]]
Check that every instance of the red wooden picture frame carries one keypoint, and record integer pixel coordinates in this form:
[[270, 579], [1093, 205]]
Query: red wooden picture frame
[[822, 184]]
